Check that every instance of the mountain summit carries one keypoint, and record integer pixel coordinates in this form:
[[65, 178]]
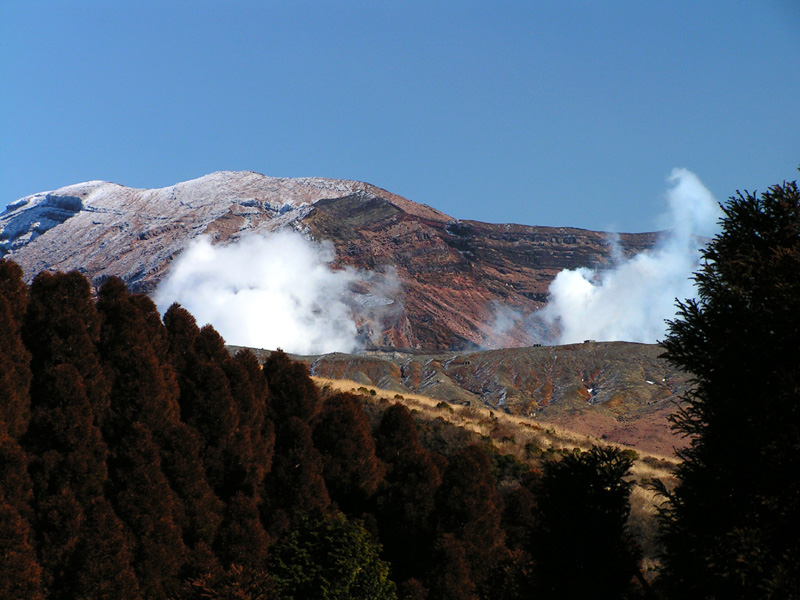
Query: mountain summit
[[459, 284]]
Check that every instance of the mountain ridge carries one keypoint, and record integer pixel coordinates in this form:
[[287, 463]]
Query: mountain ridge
[[455, 279], [623, 392]]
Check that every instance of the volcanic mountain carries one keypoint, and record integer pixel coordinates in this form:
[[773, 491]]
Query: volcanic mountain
[[453, 277]]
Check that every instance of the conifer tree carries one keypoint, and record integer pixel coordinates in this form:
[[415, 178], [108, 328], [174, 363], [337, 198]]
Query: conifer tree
[[470, 508], [100, 567], [145, 388], [135, 349], [224, 399], [237, 583], [59, 518], [62, 327], [580, 543], [295, 485], [729, 527], [214, 412], [143, 499], [15, 374], [406, 504], [67, 447], [241, 539], [451, 575], [292, 392], [15, 482], [351, 469], [251, 392], [20, 573]]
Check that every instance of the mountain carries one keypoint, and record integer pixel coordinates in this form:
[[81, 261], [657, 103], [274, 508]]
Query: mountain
[[620, 391], [457, 281]]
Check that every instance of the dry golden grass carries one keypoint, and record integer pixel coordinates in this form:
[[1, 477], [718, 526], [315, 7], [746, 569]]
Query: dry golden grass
[[499, 425], [517, 435]]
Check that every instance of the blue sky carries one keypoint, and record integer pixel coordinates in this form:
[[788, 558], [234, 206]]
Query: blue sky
[[544, 113]]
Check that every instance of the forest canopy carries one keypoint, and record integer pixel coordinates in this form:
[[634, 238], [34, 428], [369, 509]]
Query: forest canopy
[[139, 459]]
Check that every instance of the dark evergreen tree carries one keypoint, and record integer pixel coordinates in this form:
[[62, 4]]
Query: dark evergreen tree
[[295, 485], [200, 512], [58, 524], [100, 567], [292, 392], [67, 447], [15, 481], [237, 583], [330, 558], [15, 373], [241, 539], [406, 504], [450, 574], [136, 354], [580, 543], [145, 389], [470, 509], [412, 589], [519, 513], [221, 393], [225, 400], [351, 469], [20, 573], [729, 528], [143, 499], [62, 327], [251, 394]]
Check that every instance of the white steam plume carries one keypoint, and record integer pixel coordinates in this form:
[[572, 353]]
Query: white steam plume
[[267, 291], [632, 300]]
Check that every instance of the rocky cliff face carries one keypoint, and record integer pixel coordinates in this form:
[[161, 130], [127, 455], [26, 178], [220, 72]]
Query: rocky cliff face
[[459, 284]]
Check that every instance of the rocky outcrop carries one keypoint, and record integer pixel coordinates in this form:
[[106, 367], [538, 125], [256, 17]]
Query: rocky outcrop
[[451, 284]]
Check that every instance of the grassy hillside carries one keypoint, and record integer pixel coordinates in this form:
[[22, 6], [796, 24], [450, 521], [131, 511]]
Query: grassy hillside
[[617, 391], [529, 440]]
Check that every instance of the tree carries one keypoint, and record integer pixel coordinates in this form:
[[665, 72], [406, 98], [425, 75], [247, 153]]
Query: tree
[[237, 583], [20, 573], [292, 392], [135, 350], [62, 326], [143, 384], [728, 528], [580, 543], [295, 485], [469, 508], [342, 435], [330, 558], [100, 567], [143, 499], [241, 539], [15, 373], [450, 577], [406, 503]]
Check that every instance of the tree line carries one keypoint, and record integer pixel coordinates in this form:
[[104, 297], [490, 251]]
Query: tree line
[[140, 459]]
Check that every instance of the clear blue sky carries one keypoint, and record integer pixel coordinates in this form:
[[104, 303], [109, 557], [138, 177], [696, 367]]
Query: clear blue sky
[[542, 113]]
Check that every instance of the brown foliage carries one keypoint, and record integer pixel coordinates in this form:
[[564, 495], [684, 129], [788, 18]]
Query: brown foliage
[[296, 484], [62, 327], [20, 573], [15, 374], [470, 508], [144, 500], [292, 392], [342, 434]]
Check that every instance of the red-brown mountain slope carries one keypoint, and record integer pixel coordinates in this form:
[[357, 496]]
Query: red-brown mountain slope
[[451, 284]]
